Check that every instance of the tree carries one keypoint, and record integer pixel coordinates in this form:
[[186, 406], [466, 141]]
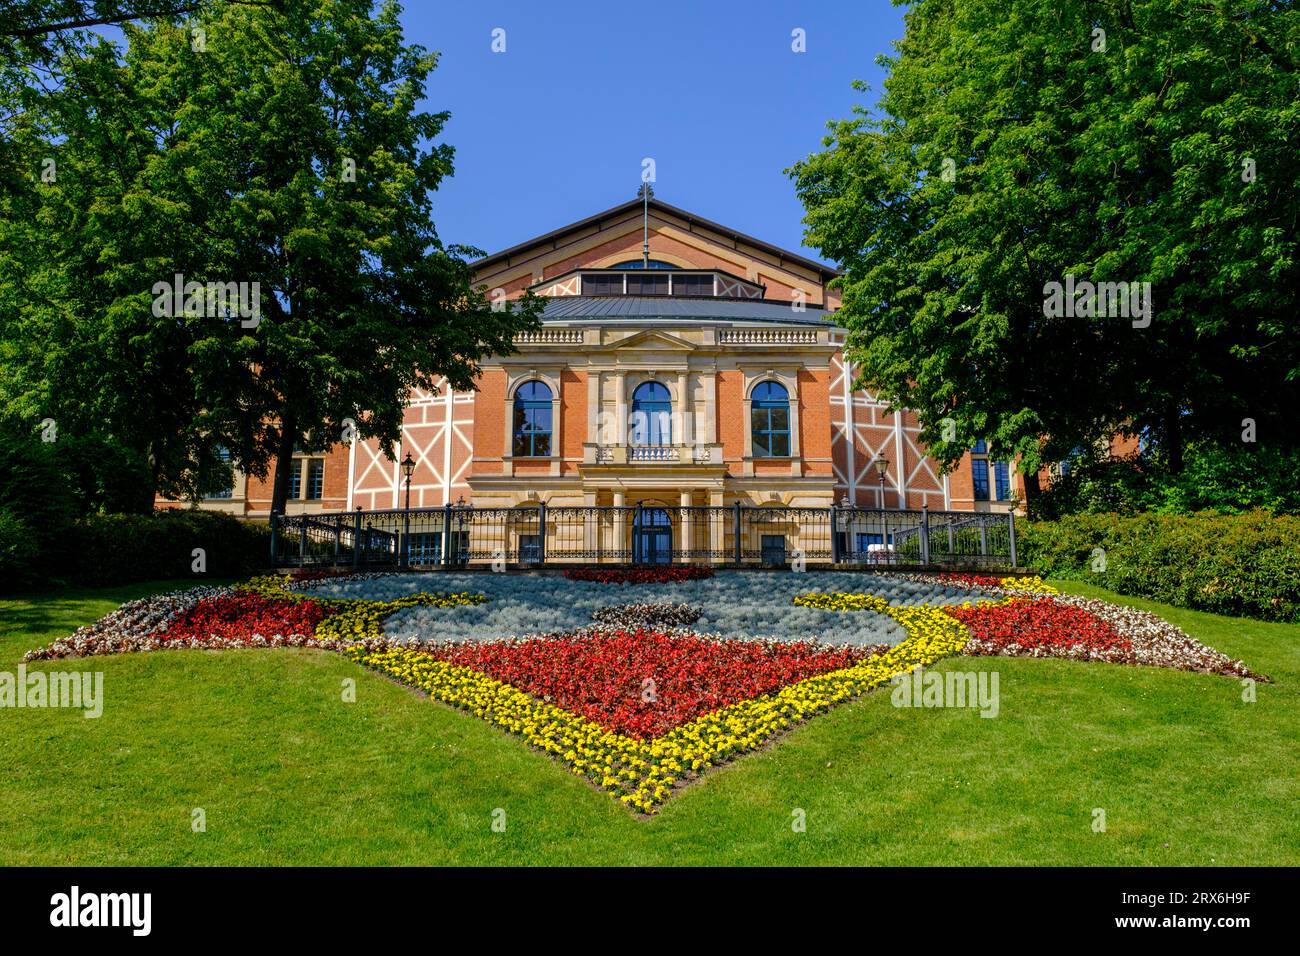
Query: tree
[[277, 154], [1021, 142], [33, 24]]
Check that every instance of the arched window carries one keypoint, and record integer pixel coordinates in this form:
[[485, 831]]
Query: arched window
[[652, 415], [770, 420], [639, 264], [532, 428]]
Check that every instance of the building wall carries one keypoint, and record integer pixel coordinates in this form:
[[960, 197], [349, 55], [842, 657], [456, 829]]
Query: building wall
[[815, 421], [476, 426], [573, 412], [461, 440], [731, 428]]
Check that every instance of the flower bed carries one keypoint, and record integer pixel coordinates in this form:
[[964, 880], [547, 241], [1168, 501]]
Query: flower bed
[[625, 617], [732, 604], [238, 616], [986, 583], [127, 628], [1145, 639], [635, 703], [653, 574], [643, 773], [841, 602], [642, 683], [1032, 619], [1039, 628], [264, 612]]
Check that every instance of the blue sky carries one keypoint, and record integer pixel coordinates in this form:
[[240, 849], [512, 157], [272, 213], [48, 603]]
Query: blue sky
[[555, 128]]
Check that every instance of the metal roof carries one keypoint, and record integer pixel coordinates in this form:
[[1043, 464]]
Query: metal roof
[[589, 307]]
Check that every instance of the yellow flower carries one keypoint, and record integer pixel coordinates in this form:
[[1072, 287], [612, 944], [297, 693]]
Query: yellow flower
[[642, 773]]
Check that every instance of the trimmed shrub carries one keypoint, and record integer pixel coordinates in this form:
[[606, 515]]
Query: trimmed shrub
[[122, 549], [118, 549], [19, 556], [1244, 565]]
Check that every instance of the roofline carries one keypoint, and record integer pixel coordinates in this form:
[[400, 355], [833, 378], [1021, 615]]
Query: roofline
[[816, 316], [693, 321], [824, 270], [730, 275]]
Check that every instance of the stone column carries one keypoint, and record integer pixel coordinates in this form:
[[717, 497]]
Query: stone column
[[620, 407], [686, 433], [716, 519], [707, 426], [593, 406]]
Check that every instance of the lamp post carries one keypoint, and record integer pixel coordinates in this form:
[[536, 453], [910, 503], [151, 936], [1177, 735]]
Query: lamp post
[[408, 469], [882, 466]]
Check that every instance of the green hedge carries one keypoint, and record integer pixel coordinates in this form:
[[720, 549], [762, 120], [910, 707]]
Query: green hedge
[[1246, 565], [122, 549]]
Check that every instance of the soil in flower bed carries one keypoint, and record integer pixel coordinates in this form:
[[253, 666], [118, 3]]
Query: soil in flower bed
[[644, 683]]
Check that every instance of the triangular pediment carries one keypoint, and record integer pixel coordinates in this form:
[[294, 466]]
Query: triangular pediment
[[654, 340], [626, 219]]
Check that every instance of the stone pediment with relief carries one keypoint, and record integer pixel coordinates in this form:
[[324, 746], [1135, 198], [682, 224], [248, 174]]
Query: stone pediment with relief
[[652, 340]]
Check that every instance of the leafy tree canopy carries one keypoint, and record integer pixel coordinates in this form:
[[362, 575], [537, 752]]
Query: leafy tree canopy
[[276, 154], [1021, 142]]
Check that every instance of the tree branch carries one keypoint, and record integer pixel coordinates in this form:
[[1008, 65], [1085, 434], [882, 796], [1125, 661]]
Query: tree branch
[[98, 21]]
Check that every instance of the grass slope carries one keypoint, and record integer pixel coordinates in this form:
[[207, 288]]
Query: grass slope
[[288, 773]]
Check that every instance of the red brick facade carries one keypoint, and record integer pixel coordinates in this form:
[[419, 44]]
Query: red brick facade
[[461, 441]]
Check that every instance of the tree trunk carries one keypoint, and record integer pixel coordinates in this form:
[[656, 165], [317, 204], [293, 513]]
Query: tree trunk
[[1033, 490], [144, 499], [1174, 441], [283, 462]]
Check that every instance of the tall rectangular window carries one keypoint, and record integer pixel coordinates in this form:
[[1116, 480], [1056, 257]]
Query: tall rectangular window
[[295, 479], [223, 453], [979, 469], [770, 420], [532, 421], [315, 478], [1002, 480]]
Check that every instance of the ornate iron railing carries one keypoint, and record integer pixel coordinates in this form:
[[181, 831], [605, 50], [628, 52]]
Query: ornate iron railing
[[459, 536]]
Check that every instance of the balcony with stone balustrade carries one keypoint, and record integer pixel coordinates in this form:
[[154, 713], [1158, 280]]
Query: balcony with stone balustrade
[[651, 456]]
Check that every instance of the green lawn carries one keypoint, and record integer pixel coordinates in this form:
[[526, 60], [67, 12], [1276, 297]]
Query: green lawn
[[287, 773]]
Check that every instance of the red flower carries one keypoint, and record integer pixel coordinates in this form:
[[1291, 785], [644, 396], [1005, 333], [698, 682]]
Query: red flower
[[237, 617], [653, 574], [644, 683], [971, 580], [1043, 625]]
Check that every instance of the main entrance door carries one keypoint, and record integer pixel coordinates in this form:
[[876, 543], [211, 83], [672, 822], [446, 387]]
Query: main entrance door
[[652, 537]]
